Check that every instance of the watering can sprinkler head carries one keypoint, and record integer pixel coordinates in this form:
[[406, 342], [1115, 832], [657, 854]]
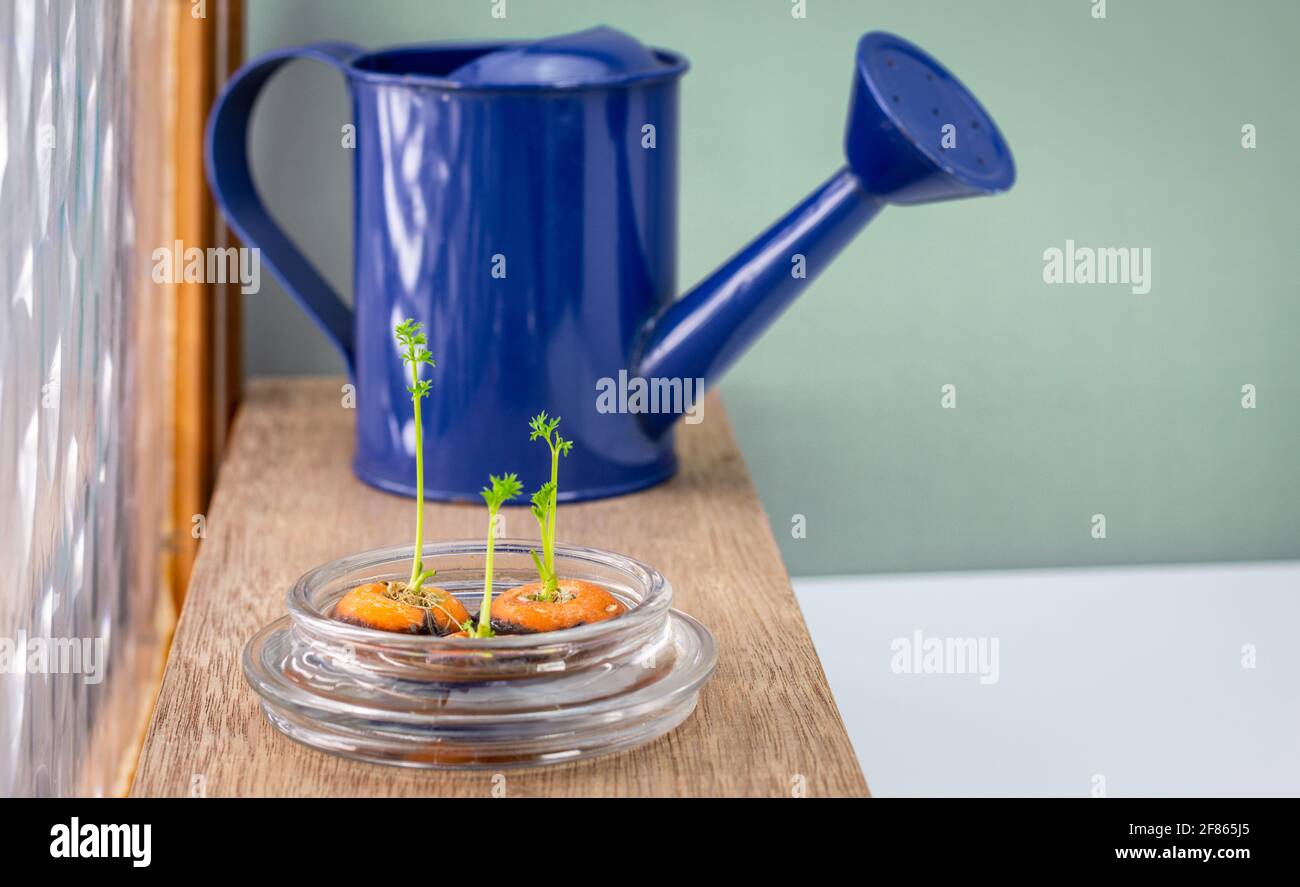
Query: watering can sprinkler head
[[915, 134]]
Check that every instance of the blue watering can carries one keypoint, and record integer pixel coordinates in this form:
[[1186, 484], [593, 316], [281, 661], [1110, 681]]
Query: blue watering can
[[521, 201]]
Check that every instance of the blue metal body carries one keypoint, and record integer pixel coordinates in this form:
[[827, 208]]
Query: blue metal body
[[508, 197]]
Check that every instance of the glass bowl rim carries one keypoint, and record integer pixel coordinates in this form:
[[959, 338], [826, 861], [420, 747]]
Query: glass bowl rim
[[656, 598], [685, 679]]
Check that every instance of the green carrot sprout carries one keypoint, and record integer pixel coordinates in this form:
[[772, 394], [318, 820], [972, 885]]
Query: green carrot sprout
[[412, 340], [545, 502], [501, 489]]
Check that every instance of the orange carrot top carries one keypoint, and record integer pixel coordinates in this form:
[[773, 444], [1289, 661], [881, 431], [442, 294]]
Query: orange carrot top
[[390, 606], [524, 610]]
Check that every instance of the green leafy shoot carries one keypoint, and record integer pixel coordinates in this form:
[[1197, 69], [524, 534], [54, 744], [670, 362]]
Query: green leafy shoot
[[543, 428], [541, 508], [500, 490], [411, 339]]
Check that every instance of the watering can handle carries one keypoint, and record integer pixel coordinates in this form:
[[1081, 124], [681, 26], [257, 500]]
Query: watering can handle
[[231, 179]]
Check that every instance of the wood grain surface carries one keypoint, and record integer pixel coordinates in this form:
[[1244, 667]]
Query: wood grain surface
[[286, 501]]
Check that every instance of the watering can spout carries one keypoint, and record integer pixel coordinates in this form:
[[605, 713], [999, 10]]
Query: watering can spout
[[915, 134]]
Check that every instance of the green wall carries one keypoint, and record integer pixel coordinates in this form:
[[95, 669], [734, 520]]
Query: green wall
[[1071, 400]]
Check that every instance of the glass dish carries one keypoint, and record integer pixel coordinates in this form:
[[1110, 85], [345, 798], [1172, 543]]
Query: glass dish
[[508, 701]]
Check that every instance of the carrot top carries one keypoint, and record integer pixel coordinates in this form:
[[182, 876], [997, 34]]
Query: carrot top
[[545, 500], [499, 490], [411, 338]]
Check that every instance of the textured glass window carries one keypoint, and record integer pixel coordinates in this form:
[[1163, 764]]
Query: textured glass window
[[84, 440]]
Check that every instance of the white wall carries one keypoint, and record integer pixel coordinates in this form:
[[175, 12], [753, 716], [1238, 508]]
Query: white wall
[[1134, 675]]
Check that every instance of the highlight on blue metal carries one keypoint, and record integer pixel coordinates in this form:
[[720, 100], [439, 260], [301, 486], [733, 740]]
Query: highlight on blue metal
[[521, 201], [595, 57]]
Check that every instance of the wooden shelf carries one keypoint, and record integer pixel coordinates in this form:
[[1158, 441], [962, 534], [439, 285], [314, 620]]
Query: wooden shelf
[[286, 500]]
